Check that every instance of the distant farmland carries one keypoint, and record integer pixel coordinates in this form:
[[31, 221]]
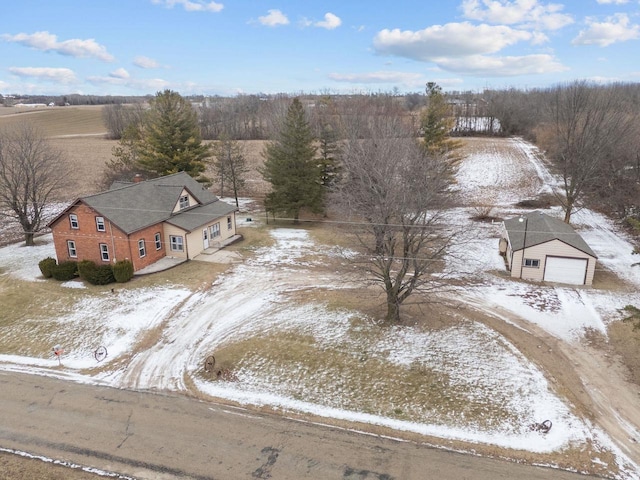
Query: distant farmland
[[57, 121], [80, 134]]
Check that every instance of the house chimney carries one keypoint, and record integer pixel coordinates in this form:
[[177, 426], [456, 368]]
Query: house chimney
[[137, 178]]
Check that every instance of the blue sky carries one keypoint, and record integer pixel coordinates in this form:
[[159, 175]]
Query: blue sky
[[138, 47]]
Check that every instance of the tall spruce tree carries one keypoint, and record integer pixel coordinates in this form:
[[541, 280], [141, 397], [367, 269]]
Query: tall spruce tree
[[291, 167], [170, 139], [437, 123]]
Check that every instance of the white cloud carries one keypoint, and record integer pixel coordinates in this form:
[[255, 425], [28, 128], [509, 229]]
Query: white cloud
[[274, 18], [192, 5], [481, 65], [330, 21], [615, 2], [120, 73], [517, 12], [452, 39], [145, 62], [46, 42], [615, 29], [404, 78], [57, 75], [145, 85]]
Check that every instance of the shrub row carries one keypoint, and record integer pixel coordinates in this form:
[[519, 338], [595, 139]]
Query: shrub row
[[121, 271]]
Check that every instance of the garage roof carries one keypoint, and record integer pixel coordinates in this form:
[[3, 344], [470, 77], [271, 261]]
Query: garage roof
[[541, 228]]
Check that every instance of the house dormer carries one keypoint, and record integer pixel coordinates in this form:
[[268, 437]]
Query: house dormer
[[185, 200]]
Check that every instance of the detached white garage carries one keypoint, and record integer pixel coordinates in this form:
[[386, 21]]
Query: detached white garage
[[545, 249]]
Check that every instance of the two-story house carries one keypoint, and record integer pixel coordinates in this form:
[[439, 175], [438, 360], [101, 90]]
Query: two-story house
[[144, 221]]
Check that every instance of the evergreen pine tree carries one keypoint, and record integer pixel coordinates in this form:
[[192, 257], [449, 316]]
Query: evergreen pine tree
[[437, 123], [291, 167], [170, 139]]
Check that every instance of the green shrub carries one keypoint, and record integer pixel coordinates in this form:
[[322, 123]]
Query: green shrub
[[123, 271], [87, 270], [46, 266], [95, 274], [104, 275], [65, 271], [634, 224]]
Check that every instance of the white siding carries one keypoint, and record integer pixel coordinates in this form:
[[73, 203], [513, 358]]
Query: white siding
[[192, 201], [554, 248]]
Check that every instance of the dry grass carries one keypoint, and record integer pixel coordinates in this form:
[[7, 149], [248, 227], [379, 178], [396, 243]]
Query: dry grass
[[27, 310], [626, 343], [360, 380]]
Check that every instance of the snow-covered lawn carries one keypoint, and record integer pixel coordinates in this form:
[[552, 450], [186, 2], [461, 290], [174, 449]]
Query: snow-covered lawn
[[252, 301]]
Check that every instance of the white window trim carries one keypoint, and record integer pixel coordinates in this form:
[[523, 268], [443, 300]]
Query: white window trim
[[73, 221], [184, 201], [229, 223], [71, 249], [142, 250], [104, 252], [215, 230], [158, 241], [100, 223], [174, 243], [532, 263]]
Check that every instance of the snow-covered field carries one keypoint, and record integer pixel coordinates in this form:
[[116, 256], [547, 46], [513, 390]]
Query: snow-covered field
[[250, 301]]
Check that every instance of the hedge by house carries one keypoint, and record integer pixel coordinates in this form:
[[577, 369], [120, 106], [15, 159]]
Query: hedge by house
[[65, 271], [46, 266], [123, 271], [95, 274], [87, 270]]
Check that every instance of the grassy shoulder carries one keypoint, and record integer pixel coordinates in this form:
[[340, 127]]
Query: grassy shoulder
[[14, 466]]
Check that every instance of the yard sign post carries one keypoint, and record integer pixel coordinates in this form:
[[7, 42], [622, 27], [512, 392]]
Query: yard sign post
[[57, 351]]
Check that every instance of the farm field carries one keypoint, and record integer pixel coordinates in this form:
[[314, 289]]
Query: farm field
[[299, 334]]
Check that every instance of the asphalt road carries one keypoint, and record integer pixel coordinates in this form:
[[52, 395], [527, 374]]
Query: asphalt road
[[147, 435]]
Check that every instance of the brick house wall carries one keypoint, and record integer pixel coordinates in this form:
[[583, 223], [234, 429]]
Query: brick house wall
[[88, 238]]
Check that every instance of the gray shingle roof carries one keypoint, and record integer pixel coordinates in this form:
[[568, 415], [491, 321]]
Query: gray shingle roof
[[133, 206], [541, 228]]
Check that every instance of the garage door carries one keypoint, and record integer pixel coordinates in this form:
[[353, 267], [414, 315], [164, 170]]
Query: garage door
[[565, 270]]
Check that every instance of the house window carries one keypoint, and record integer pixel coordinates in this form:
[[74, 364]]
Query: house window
[[184, 201], [158, 241], [71, 248], [141, 250], [73, 220], [100, 224], [177, 243], [215, 230], [229, 223], [532, 262], [104, 252]]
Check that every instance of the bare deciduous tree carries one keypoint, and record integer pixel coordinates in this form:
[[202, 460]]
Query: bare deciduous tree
[[230, 164], [393, 193], [118, 118], [32, 172], [584, 123]]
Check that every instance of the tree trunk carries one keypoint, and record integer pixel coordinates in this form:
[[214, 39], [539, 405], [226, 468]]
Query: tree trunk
[[393, 309], [28, 239]]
